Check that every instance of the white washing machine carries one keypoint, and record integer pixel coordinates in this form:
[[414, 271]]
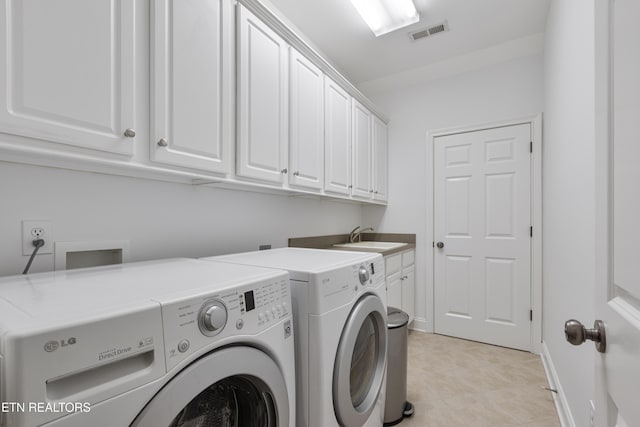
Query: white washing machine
[[339, 307], [167, 343]]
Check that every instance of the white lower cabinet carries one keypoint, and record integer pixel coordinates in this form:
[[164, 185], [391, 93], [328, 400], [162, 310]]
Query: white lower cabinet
[[401, 281]]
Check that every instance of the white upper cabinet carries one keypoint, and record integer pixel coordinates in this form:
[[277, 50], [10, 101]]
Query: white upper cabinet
[[198, 91], [306, 157], [67, 72], [361, 151], [192, 84], [337, 139], [380, 160], [262, 100]]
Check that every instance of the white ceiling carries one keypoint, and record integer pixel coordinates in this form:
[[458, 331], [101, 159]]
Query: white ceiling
[[337, 30]]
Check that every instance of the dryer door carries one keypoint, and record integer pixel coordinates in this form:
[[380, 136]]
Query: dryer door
[[360, 362], [237, 386]]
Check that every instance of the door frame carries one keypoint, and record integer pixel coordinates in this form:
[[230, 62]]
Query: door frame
[[536, 220]]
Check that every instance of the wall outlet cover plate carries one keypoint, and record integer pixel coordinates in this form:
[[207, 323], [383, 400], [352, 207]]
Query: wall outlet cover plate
[[34, 229]]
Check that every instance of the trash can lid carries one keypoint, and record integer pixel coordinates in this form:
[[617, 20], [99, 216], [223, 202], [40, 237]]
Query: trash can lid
[[396, 318]]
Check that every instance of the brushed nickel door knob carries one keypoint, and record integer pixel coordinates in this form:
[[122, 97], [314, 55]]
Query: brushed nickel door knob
[[576, 334], [129, 133]]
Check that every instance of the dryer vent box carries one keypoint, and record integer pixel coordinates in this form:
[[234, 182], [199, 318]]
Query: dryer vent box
[[71, 255], [82, 259]]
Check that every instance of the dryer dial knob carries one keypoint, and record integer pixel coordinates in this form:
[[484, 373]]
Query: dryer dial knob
[[212, 318], [363, 274]]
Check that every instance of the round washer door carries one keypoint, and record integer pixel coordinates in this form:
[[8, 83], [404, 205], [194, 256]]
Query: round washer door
[[236, 386], [360, 362]]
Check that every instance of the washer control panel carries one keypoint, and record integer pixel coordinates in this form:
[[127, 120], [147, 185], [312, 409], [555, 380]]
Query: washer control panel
[[212, 317], [203, 320]]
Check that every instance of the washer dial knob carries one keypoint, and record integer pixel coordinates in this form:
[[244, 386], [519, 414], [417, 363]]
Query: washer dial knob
[[212, 318], [363, 274]]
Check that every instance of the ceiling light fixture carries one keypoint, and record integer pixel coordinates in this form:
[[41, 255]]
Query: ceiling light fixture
[[384, 16]]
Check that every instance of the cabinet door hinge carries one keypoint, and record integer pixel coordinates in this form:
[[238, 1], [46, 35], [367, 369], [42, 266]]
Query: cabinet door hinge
[[433, 244], [531, 231], [531, 146], [531, 315]]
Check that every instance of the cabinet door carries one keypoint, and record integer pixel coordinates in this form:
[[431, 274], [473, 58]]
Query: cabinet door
[[337, 142], [393, 263], [191, 84], [361, 151], [305, 122], [409, 291], [262, 98], [380, 160], [67, 72], [408, 258], [394, 290]]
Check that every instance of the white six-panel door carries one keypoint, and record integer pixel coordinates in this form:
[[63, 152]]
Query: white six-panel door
[[192, 85], [66, 79], [482, 218]]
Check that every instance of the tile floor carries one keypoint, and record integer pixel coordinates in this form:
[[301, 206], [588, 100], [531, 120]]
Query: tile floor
[[454, 382]]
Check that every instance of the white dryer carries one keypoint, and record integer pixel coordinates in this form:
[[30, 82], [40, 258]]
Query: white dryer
[[167, 343], [339, 306]]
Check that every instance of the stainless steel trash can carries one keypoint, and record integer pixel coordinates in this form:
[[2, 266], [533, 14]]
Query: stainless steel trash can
[[396, 406]]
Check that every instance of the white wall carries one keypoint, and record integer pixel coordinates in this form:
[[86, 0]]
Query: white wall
[[498, 92], [159, 219], [568, 195]]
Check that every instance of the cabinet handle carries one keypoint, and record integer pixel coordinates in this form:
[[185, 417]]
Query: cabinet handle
[[375, 192], [129, 133], [351, 186], [284, 171], [371, 191], [163, 142], [296, 174]]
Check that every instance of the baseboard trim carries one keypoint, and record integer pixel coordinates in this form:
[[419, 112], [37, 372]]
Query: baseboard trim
[[419, 324], [559, 398]]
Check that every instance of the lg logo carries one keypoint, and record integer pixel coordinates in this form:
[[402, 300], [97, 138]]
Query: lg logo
[[54, 345]]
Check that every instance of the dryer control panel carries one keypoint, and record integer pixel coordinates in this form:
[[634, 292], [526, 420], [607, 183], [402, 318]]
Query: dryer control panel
[[210, 319], [334, 288]]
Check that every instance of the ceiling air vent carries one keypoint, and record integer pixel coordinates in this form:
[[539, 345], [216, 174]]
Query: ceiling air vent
[[442, 27]]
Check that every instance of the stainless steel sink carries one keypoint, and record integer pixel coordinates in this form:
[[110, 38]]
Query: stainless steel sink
[[383, 246]]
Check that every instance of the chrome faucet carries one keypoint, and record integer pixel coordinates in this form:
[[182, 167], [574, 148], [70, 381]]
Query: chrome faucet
[[356, 234]]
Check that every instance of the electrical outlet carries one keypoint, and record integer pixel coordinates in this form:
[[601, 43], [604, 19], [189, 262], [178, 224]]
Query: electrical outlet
[[32, 230]]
